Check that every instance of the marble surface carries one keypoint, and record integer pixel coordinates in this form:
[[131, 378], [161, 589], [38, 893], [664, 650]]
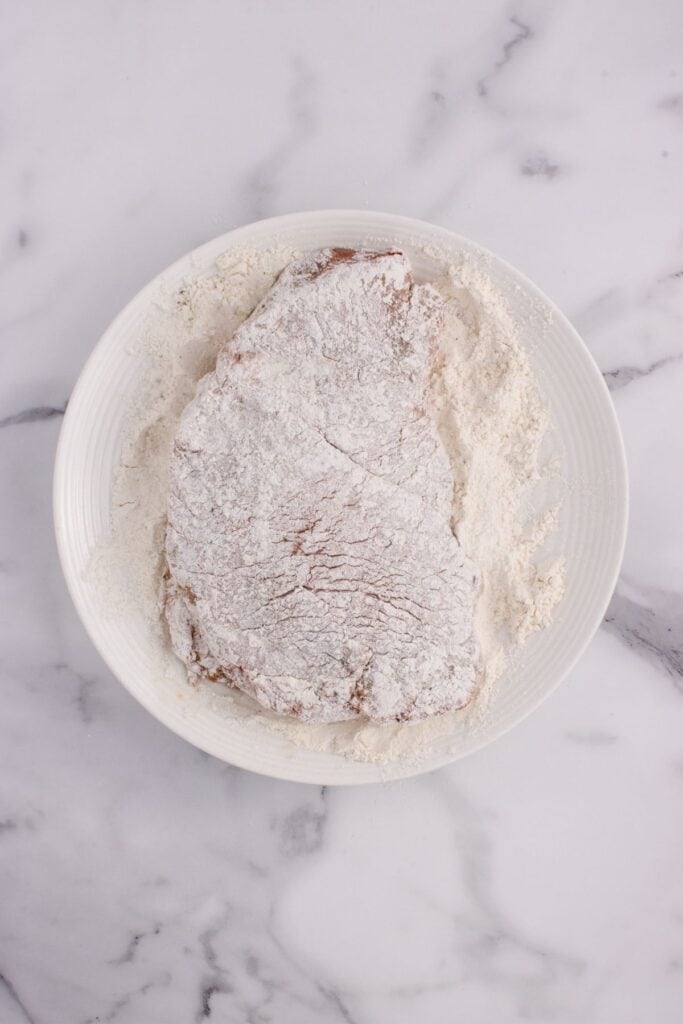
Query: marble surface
[[541, 879]]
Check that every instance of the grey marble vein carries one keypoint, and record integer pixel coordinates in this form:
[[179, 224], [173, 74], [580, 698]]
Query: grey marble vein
[[83, 701], [330, 994], [205, 997], [262, 182], [14, 325], [520, 36], [653, 630], [130, 952], [434, 117], [126, 1001], [541, 166], [216, 978], [623, 375], [672, 103], [302, 831], [254, 970], [592, 737], [604, 307], [333, 999], [36, 414], [15, 999], [482, 934]]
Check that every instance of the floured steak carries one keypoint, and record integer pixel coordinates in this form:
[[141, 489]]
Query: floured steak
[[310, 557]]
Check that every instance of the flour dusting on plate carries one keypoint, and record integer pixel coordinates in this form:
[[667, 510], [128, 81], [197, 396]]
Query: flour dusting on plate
[[491, 420]]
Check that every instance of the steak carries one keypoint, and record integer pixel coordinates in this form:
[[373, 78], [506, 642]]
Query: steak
[[311, 560]]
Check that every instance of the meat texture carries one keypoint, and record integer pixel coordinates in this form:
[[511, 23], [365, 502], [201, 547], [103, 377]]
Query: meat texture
[[311, 559]]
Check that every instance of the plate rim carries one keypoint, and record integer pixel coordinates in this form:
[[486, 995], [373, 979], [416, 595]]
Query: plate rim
[[376, 773]]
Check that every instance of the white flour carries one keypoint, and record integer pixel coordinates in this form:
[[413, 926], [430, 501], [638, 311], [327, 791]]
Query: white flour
[[492, 422]]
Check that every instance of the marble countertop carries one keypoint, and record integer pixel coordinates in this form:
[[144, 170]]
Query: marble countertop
[[541, 879]]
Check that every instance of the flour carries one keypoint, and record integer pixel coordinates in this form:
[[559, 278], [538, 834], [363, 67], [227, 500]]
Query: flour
[[492, 422]]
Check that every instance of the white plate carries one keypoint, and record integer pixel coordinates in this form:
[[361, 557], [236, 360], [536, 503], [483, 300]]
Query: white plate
[[592, 533]]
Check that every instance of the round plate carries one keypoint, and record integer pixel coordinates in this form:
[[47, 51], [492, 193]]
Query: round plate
[[592, 531]]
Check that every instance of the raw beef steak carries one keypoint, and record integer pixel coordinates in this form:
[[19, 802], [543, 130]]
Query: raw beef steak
[[311, 560]]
